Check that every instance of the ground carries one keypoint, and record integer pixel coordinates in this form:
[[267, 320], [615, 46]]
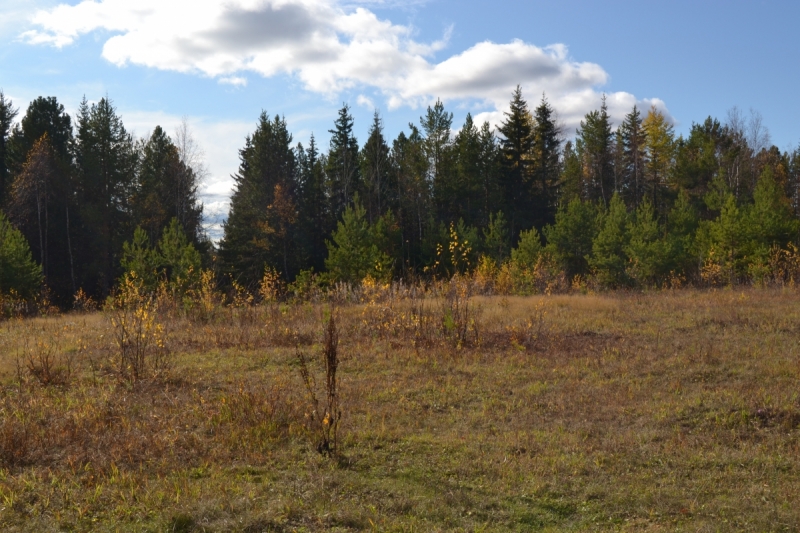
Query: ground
[[657, 411]]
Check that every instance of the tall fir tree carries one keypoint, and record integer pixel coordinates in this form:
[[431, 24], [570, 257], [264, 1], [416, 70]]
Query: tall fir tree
[[166, 189], [597, 142], [314, 220], [258, 231], [634, 158], [106, 160], [7, 115], [376, 186], [516, 145], [414, 194], [436, 126], [546, 163], [342, 168]]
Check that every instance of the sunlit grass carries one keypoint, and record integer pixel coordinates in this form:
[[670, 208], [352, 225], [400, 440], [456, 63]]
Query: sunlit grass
[[662, 411]]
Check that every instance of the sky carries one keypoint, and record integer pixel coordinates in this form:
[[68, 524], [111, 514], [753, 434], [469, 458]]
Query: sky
[[219, 64]]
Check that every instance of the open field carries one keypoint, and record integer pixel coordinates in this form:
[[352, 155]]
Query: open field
[[663, 411]]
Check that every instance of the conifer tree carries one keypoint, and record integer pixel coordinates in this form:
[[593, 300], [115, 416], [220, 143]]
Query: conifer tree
[[570, 238], [649, 252], [572, 185], [436, 127], [44, 115], [516, 145], [18, 271], [7, 115], [39, 204], [496, 243], [528, 250], [414, 194], [546, 162], [342, 167], [357, 249], [634, 158], [314, 219], [106, 159], [166, 188], [608, 260], [597, 142], [263, 208], [660, 148], [376, 171]]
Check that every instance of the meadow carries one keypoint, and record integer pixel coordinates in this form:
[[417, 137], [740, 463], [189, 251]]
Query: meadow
[[672, 410]]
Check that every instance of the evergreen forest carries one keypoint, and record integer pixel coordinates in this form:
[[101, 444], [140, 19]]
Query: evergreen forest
[[527, 205]]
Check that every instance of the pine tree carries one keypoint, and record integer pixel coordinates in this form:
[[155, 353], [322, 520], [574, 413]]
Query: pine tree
[[376, 171], [39, 204], [651, 255], [516, 145], [546, 162], [18, 271], [596, 142], [414, 195], [528, 250], [107, 160], [357, 249], [570, 238], [572, 185], [436, 126], [696, 163], [608, 259], [496, 243], [263, 207], [166, 188], [342, 165], [634, 158], [7, 115], [314, 218], [43, 116]]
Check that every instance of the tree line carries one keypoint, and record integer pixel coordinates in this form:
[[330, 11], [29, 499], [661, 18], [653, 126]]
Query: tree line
[[631, 204]]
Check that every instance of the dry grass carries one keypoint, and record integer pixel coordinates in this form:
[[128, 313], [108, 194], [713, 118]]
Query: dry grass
[[664, 411]]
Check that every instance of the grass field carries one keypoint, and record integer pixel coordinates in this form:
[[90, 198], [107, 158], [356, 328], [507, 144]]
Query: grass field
[[663, 411]]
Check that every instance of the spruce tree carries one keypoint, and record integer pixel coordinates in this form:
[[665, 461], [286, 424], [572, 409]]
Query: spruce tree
[[166, 188], [414, 195], [634, 158], [596, 141], [516, 145], [7, 115], [18, 271], [546, 162], [436, 126], [376, 171], [570, 238], [260, 224], [344, 177], [608, 260], [314, 219], [106, 160]]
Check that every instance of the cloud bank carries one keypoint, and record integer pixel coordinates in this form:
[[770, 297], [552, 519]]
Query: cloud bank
[[330, 47]]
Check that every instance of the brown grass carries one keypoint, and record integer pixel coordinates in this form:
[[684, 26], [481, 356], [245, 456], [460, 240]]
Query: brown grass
[[663, 411]]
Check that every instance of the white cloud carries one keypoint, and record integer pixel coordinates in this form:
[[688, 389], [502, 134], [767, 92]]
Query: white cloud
[[329, 46], [236, 81], [365, 101]]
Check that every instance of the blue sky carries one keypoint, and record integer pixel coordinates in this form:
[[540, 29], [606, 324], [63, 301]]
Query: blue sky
[[220, 63]]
